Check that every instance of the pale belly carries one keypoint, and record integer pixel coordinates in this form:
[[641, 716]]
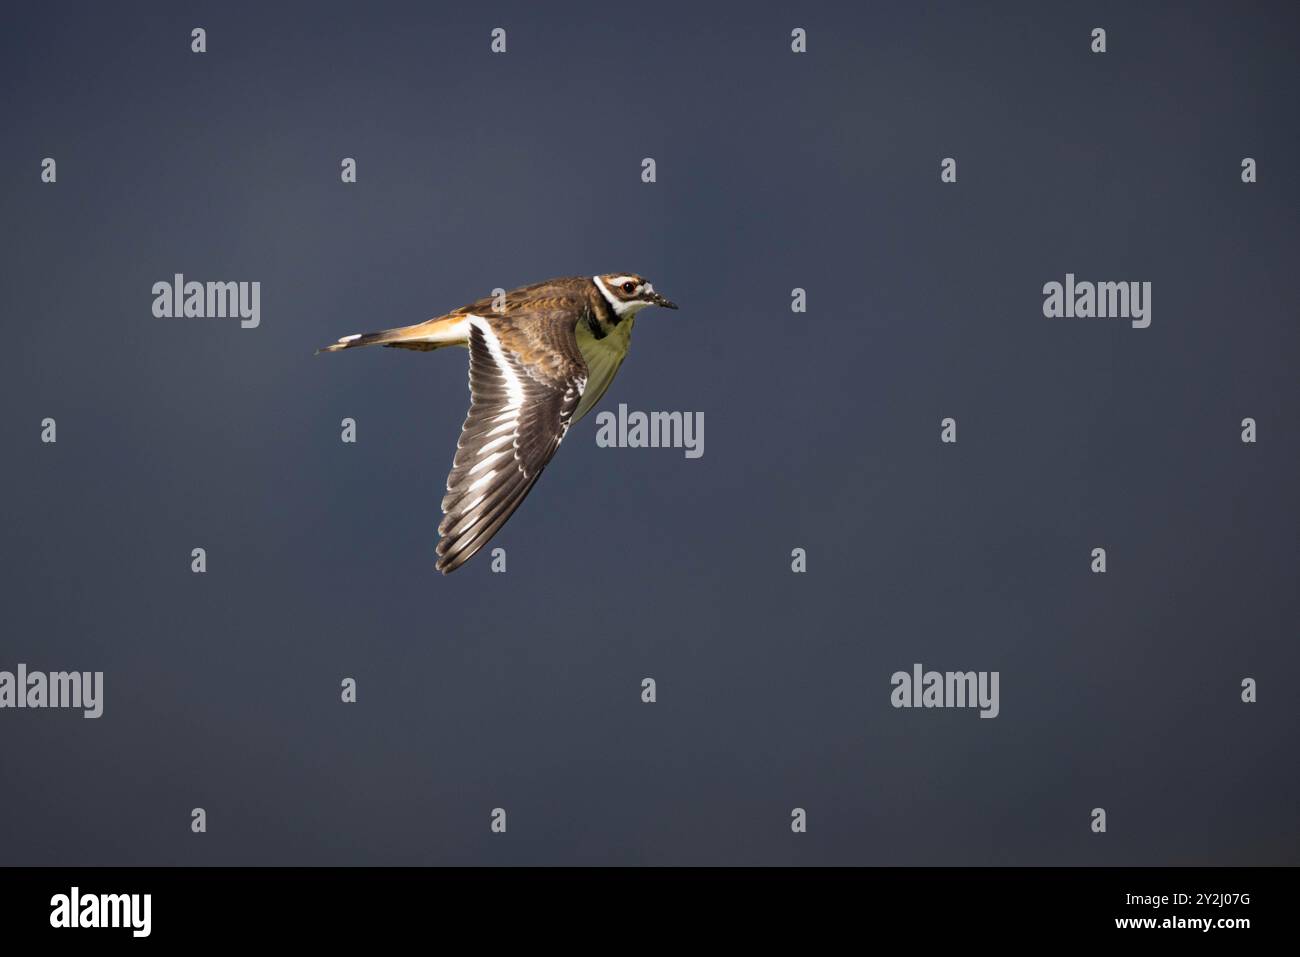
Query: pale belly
[[603, 357]]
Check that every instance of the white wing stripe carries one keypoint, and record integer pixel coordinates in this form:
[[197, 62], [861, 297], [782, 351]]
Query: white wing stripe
[[479, 482], [514, 387], [487, 460]]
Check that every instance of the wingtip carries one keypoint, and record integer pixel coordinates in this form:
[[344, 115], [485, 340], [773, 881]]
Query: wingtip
[[447, 563]]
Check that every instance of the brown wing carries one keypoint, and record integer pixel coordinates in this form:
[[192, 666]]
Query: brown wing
[[526, 378], [449, 329]]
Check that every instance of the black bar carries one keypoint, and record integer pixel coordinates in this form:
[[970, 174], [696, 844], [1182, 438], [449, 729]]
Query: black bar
[[367, 905]]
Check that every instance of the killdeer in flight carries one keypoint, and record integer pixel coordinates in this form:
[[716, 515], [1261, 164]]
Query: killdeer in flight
[[539, 358]]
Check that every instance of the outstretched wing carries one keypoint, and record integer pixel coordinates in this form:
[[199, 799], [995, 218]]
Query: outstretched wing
[[526, 378]]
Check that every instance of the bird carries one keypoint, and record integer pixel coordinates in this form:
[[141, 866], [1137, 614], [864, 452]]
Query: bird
[[540, 357]]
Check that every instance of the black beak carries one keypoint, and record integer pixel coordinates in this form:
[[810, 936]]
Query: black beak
[[659, 300]]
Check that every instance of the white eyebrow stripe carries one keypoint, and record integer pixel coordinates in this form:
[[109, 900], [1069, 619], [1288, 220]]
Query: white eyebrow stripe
[[616, 304], [619, 280]]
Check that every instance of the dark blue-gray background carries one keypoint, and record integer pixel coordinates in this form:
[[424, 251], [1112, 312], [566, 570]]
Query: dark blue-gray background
[[522, 690]]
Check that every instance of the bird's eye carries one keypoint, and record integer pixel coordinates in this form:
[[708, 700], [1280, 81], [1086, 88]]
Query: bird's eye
[[629, 287]]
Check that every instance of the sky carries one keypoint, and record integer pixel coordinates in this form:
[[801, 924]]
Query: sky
[[774, 170]]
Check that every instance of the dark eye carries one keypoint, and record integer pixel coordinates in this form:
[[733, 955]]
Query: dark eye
[[629, 287]]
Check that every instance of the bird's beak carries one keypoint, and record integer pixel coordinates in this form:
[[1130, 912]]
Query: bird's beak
[[659, 300]]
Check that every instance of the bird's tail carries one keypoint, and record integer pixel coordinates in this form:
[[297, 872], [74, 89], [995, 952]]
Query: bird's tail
[[434, 334]]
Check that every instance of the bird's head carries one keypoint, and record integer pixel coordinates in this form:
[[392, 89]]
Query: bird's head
[[629, 293]]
